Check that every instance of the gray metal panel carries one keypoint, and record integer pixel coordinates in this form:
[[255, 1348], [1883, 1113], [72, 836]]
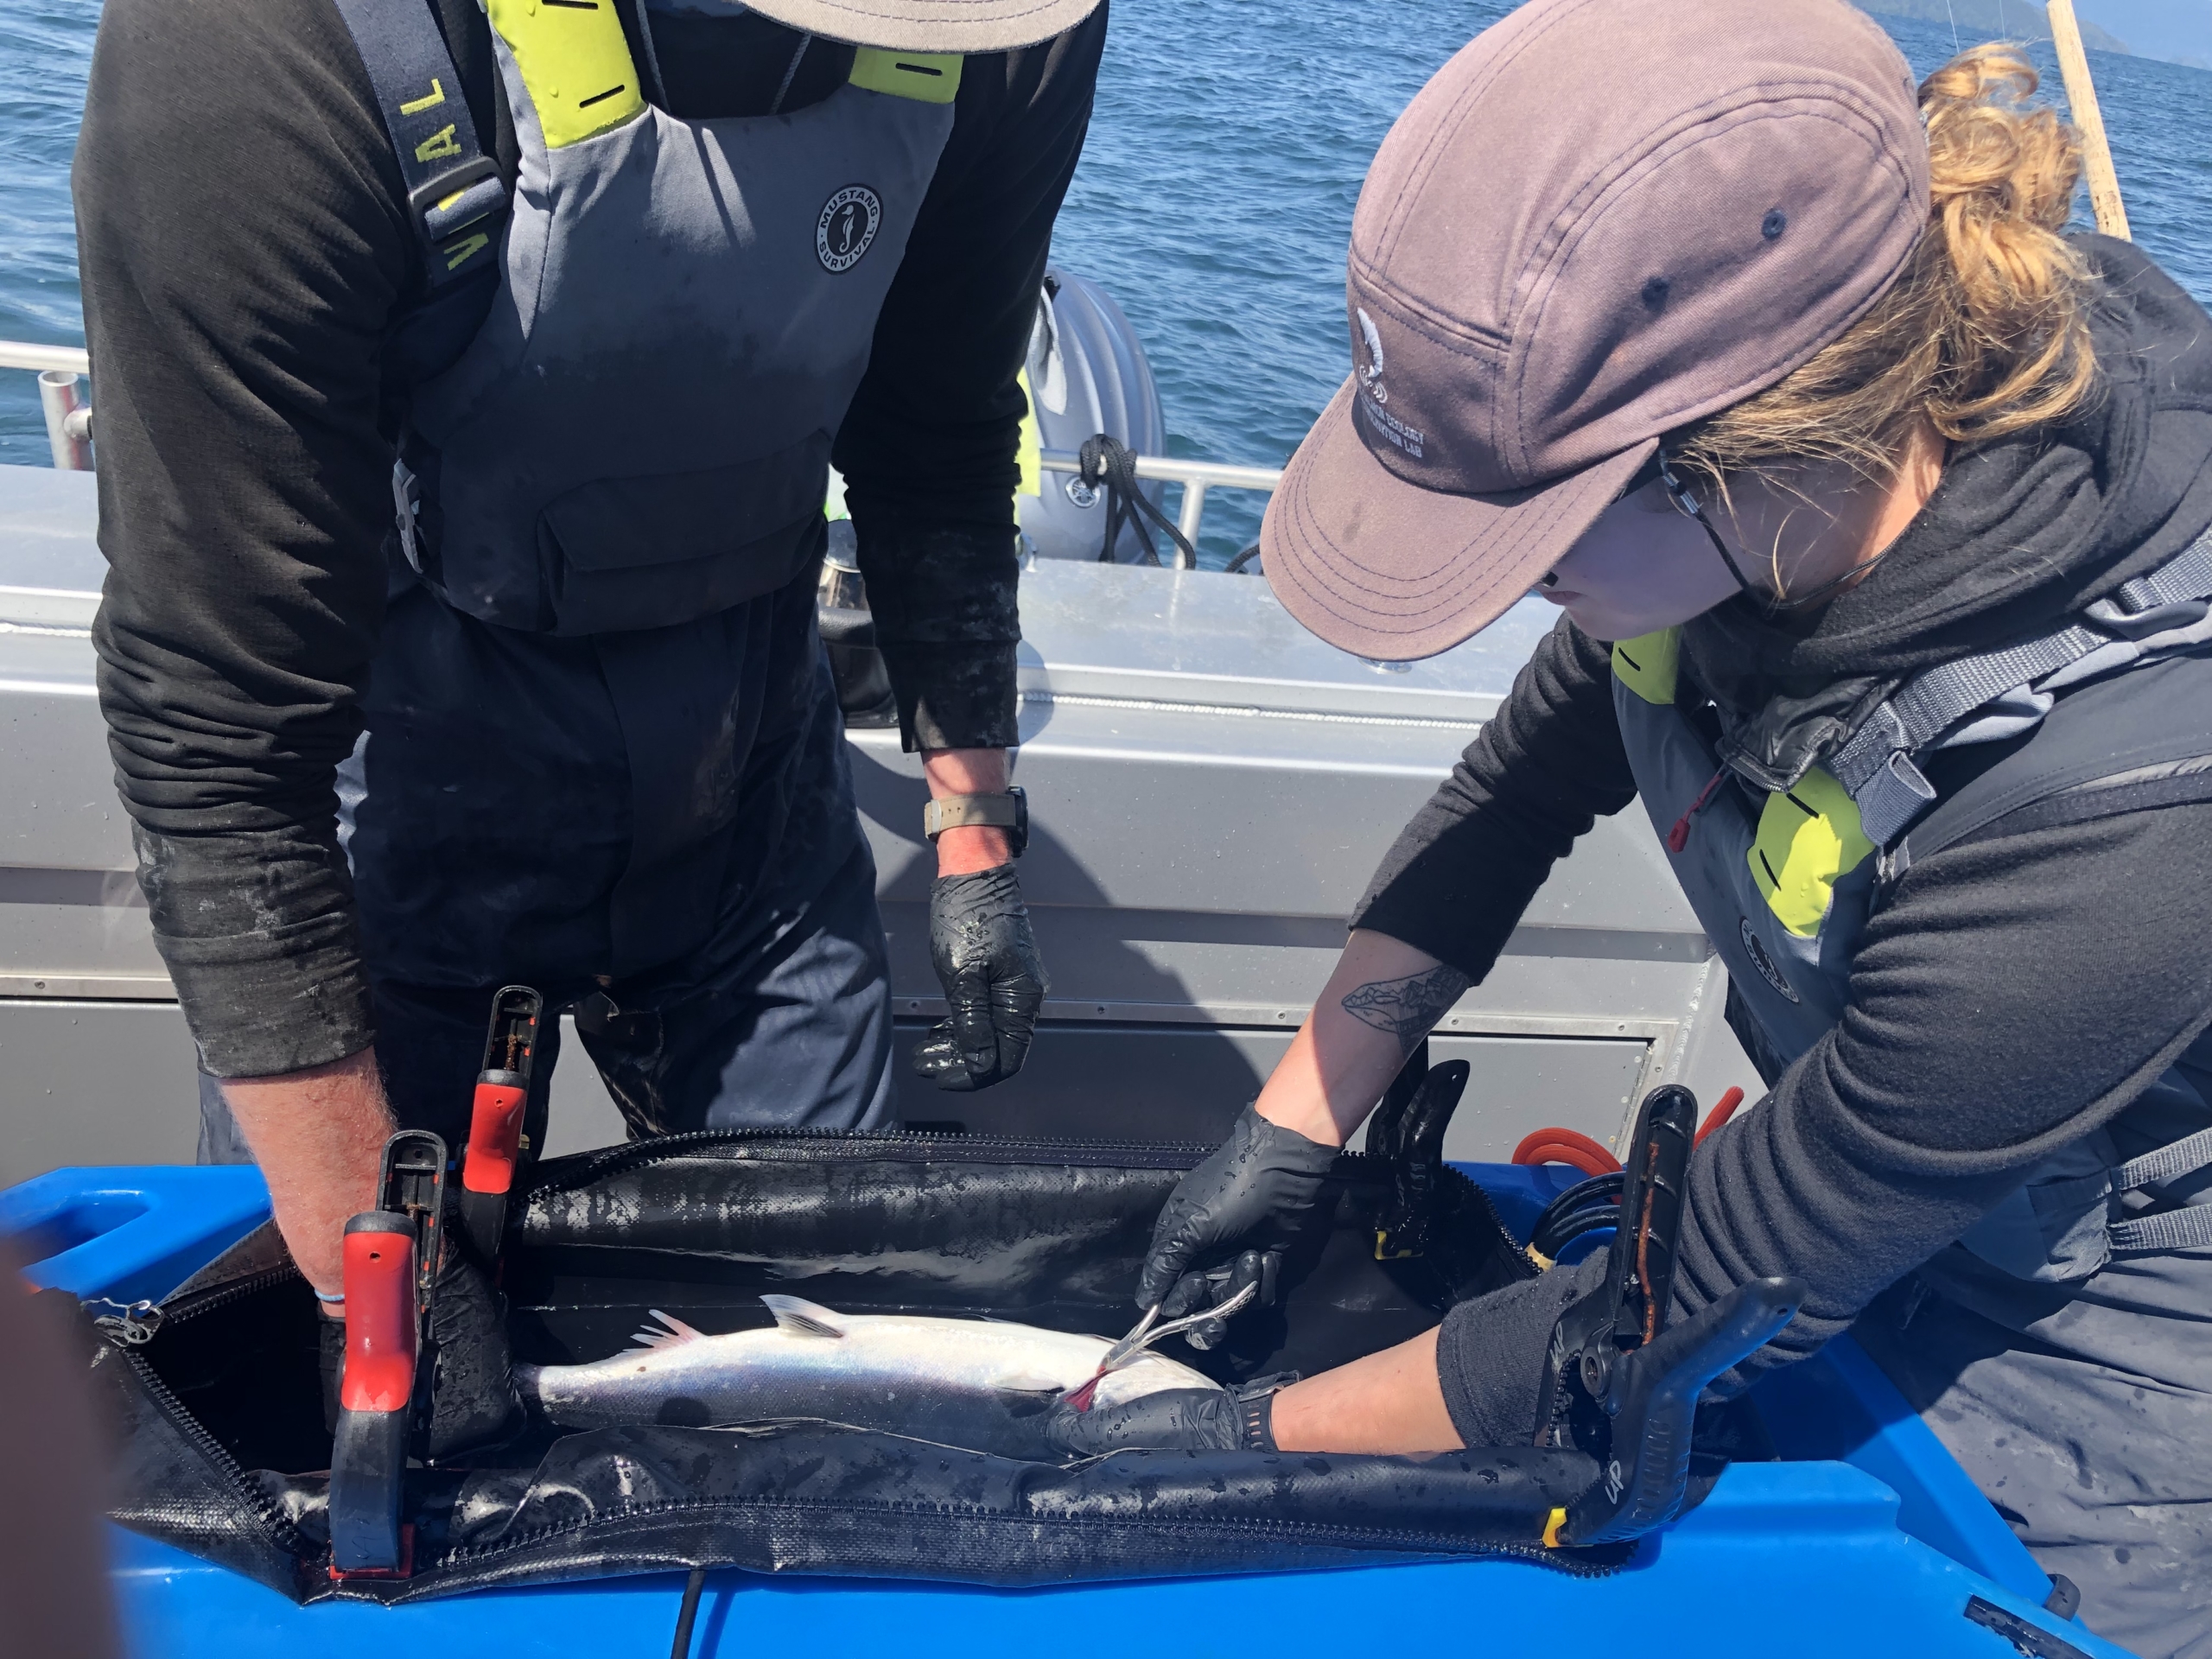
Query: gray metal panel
[[63, 811], [1212, 784], [1187, 1083], [63, 814], [72, 918], [1196, 862], [1198, 636], [116, 1082], [47, 520], [1179, 809], [1211, 788], [77, 932], [94, 1083]]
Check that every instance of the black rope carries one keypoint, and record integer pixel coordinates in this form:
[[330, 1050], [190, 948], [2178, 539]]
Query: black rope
[[1583, 1208], [1553, 1240], [1236, 566], [1106, 463], [687, 1614]]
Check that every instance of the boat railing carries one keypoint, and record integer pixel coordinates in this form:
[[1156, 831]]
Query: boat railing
[[64, 393], [62, 373], [1197, 477]]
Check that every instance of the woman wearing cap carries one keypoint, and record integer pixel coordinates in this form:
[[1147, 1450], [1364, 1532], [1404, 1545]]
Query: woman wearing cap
[[1783, 383]]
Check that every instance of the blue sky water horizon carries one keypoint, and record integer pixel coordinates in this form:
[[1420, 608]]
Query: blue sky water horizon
[[2178, 31], [1214, 199]]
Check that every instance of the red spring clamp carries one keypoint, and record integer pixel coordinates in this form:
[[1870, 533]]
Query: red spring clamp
[[368, 1462], [390, 1263], [495, 1125]]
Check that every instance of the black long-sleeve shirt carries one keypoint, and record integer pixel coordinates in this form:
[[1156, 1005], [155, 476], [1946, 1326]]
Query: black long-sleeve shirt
[[2012, 992], [245, 250]]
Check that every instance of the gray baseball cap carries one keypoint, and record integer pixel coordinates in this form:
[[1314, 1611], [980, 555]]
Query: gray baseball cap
[[932, 25], [1601, 220]]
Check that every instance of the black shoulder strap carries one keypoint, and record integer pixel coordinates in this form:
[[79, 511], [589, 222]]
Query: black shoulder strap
[[454, 194], [2166, 610], [2132, 741]]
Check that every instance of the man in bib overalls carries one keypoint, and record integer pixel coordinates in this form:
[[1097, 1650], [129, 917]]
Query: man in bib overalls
[[470, 383]]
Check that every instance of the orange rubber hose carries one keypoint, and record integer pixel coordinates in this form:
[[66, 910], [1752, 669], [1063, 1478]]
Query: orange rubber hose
[[1723, 1110], [1565, 1146]]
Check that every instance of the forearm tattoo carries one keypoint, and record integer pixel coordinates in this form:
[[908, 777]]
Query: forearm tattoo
[[1407, 1007]]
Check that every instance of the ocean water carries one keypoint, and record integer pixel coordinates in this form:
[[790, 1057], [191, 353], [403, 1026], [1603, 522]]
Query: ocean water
[[1214, 198], [45, 49], [1216, 194]]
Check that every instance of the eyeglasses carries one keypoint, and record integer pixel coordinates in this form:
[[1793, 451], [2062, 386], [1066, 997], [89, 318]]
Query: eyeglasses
[[1686, 505], [1660, 470], [1771, 604]]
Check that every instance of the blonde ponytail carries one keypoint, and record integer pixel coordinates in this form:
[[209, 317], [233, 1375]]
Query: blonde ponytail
[[1983, 334]]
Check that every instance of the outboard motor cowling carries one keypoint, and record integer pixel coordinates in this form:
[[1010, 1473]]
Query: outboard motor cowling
[[1086, 373]]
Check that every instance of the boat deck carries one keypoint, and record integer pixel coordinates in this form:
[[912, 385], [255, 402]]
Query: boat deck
[[1211, 788]]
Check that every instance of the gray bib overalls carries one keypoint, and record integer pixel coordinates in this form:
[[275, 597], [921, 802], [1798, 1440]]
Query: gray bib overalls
[[602, 757], [2062, 1348]]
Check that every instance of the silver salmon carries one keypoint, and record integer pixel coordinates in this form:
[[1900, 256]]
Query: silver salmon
[[974, 1383]]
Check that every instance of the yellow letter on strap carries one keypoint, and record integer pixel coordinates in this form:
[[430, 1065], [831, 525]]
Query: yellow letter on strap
[[1646, 665], [575, 62], [459, 253], [925, 77], [438, 143], [1808, 839]]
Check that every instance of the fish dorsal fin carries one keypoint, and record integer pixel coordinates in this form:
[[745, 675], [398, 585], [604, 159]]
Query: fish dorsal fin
[[797, 1317], [676, 1334]]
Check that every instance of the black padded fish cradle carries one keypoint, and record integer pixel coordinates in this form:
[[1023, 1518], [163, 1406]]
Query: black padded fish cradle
[[225, 1454]]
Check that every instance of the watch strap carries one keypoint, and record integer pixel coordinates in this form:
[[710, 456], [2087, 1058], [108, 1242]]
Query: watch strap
[[1255, 1410], [1008, 811]]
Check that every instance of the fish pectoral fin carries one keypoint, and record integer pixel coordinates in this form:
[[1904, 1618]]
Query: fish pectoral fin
[[1023, 1396], [800, 1317]]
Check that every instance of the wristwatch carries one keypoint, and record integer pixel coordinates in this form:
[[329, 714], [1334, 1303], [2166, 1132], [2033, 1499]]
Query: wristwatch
[[1009, 811]]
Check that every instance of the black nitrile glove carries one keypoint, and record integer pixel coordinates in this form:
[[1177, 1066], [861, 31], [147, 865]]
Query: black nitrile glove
[[475, 1407], [986, 958], [1174, 1420], [1260, 1190]]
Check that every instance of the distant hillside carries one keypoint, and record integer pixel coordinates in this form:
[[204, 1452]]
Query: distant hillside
[[2179, 31], [1992, 20]]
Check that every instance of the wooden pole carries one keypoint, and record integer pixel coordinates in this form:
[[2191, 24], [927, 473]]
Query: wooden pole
[[2088, 120]]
